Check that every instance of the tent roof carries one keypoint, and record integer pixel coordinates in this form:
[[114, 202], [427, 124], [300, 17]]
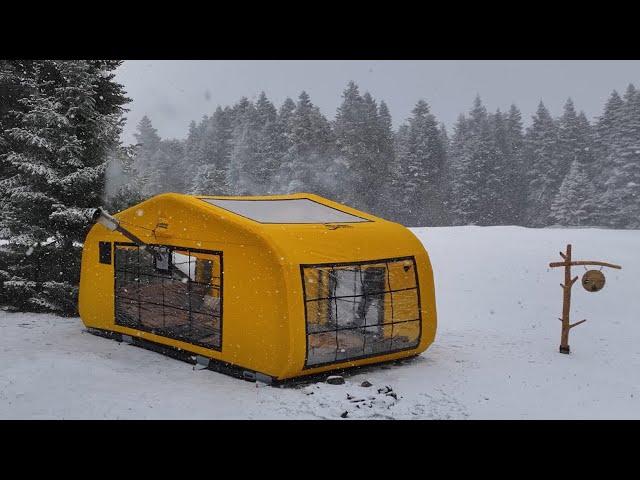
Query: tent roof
[[312, 230]]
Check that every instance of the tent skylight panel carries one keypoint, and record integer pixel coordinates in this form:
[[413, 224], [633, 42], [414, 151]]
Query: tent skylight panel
[[295, 210]]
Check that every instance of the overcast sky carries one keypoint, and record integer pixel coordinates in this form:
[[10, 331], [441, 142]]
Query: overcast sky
[[174, 92]]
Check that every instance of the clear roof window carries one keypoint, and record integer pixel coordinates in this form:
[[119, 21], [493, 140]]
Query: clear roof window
[[294, 210]]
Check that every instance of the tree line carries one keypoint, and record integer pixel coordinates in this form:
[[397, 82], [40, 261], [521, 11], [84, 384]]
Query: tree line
[[489, 171], [61, 156]]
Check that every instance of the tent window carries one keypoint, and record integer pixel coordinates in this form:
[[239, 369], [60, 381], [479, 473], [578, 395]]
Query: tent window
[[294, 210], [360, 310], [105, 252], [177, 295]]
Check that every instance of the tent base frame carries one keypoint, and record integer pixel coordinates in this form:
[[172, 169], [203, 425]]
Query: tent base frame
[[236, 371], [187, 356]]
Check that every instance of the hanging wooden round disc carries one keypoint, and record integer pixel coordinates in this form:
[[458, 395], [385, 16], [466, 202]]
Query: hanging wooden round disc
[[593, 280]]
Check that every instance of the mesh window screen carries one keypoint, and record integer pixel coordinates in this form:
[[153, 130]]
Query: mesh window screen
[[360, 310], [179, 298]]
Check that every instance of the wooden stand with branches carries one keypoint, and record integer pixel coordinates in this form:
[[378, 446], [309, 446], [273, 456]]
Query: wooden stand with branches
[[567, 263]]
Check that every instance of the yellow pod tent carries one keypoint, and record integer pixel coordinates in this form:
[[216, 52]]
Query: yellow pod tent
[[273, 287]]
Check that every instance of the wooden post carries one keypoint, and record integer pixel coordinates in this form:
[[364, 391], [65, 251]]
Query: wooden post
[[566, 301], [567, 263]]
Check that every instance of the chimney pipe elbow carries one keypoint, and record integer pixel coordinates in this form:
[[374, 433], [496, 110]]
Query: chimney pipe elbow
[[104, 219]]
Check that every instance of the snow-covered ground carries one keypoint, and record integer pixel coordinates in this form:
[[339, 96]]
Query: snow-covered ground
[[495, 355]]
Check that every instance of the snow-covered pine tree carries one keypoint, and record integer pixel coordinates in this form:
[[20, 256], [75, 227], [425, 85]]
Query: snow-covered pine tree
[[148, 158], [393, 196], [574, 138], [147, 137], [542, 167], [237, 112], [244, 155], [157, 173], [195, 142], [123, 183], [621, 200], [55, 153], [604, 137], [444, 138], [214, 153], [446, 176], [257, 147], [283, 142], [486, 167], [12, 90], [269, 146], [191, 157], [606, 129], [516, 179], [265, 110], [229, 149], [309, 165], [459, 155], [575, 202], [210, 180], [504, 208], [357, 129], [286, 110], [404, 180], [386, 161], [421, 160], [476, 182], [171, 167], [379, 134]]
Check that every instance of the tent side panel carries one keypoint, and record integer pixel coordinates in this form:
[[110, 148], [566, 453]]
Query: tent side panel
[[256, 315], [96, 281]]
